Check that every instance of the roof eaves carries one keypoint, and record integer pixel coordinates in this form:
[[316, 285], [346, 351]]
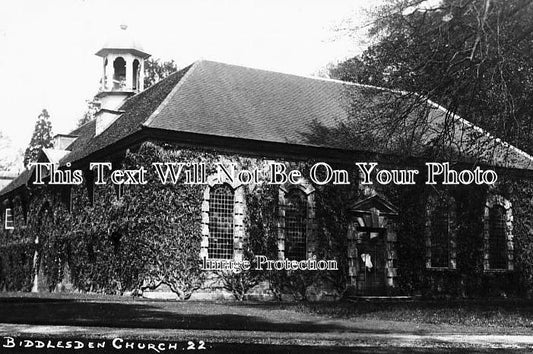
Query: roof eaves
[[441, 108], [20, 181], [481, 131]]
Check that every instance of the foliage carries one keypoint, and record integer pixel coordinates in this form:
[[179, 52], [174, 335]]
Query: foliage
[[261, 203], [333, 218], [470, 56], [10, 157], [92, 108], [41, 138], [147, 238], [520, 194], [169, 224], [156, 70], [16, 267], [328, 237], [152, 234], [240, 283]]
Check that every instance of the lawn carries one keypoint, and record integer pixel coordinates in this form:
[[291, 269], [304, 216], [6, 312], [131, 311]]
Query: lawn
[[385, 327], [480, 313], [499, 316]]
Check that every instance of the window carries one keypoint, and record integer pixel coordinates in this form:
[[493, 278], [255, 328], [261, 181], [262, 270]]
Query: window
[[119, 78], [440, 232], [497, 238], [295, 225], [221, 213], [136, 75], [9, 223]]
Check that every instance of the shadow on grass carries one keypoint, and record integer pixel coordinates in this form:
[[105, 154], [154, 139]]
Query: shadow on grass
[[164, 315], [263, 316]]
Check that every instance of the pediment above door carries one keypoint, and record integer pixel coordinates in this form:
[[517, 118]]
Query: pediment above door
[[372, 211], [375, 202]]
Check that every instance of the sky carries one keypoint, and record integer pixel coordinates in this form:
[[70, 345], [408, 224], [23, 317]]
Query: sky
[[47, 47]]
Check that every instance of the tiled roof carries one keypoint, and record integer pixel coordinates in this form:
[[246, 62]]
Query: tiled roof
[[223, 100], [20, 181], [233, 101], [137, 109]]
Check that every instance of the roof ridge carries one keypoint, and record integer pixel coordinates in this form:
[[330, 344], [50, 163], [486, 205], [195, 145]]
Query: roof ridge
[[171, 93], [350, 83], [345, 83]]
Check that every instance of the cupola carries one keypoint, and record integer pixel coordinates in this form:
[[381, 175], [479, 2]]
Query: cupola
[[123, 68], [122, 75]]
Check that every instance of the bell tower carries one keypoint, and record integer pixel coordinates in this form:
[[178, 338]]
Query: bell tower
[[122, 68]]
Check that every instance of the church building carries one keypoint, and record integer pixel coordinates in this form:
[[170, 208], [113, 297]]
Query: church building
[[381, 238]]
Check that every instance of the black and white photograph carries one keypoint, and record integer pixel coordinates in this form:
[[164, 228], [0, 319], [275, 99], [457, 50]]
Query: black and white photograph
[[266, 176]]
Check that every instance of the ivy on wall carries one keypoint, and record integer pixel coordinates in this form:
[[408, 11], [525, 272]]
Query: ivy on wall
[[152, 235]]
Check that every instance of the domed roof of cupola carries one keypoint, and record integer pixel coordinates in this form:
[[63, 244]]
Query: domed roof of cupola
[[122, 41]]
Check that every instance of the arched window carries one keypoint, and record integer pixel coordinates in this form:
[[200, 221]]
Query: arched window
[[440, 230], [136, 74], [119, 78], [497, 238], [440, 233], [295, 225], [221, 212]]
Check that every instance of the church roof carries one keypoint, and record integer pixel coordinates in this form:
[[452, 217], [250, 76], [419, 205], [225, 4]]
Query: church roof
[[228, 101], [239, 102], [137, 110], [222, 100]]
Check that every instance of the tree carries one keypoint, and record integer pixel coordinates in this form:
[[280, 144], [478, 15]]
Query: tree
[[10, 157], [92, 108], [156, 70], [42, 138], [473, 57]]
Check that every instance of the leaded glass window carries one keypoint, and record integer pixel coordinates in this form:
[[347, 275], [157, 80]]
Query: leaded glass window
[[440, 233], [221, 204], [497, 238], [295, 225]]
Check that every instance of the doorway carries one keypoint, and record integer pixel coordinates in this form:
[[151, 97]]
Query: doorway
[[371, 261]]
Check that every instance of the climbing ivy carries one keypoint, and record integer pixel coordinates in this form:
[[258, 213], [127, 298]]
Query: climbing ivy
[[152, 235]]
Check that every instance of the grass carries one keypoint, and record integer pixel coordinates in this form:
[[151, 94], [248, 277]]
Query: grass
[[479, 313], [123, 311]]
